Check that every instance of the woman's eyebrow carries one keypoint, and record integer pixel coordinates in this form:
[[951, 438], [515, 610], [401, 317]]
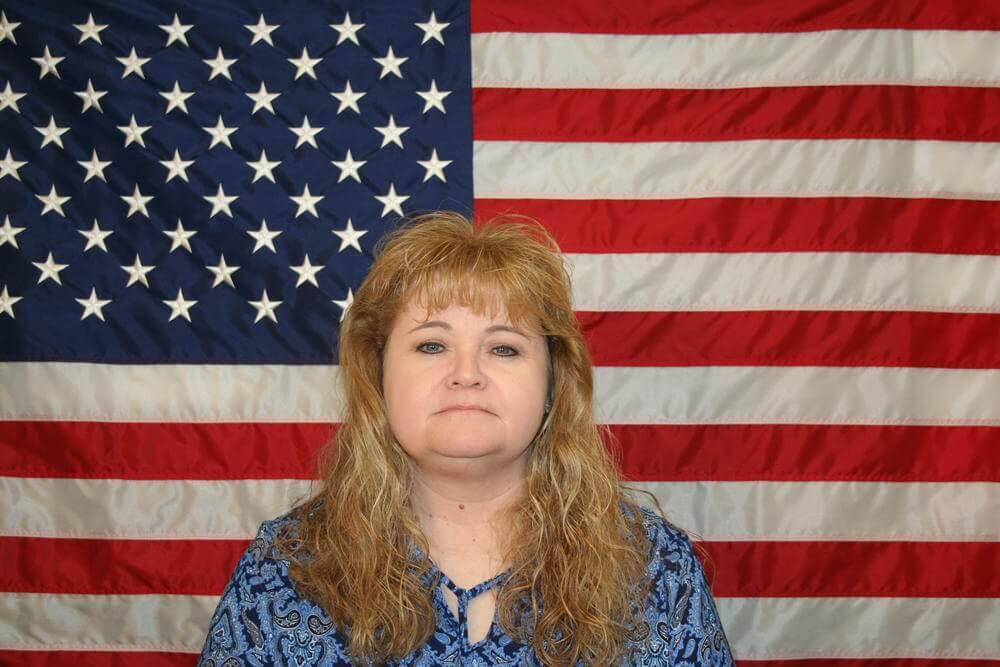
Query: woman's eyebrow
[[448, 327]]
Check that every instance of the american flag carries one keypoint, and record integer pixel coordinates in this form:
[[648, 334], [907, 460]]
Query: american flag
[[781, 219]]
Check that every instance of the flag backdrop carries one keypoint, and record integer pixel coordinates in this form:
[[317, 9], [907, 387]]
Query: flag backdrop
[[781, 218]]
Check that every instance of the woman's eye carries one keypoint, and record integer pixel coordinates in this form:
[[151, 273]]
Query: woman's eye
[[431, 347]]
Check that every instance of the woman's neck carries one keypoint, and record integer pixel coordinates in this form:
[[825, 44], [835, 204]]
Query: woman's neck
[[464, 503]]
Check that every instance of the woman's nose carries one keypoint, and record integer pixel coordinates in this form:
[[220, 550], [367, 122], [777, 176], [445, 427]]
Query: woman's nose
[[467, 370]]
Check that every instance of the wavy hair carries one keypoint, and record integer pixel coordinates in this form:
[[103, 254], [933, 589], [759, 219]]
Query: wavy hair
[[575, 541]]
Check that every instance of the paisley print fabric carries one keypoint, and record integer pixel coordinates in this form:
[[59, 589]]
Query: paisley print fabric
[[261, 620]]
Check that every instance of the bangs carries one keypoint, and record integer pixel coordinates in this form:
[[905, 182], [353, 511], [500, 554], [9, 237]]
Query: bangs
[[489, 284]]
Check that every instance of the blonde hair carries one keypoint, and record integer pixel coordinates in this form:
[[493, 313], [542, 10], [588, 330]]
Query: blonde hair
[[576, 544]]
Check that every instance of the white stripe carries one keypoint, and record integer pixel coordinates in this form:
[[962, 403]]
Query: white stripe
[[115, 508], [786, 281], [797, 395], [752, 168], [760, 511], [736, 60], [36, 621], [633, 395], [105, 508], [162, 392], [802, 628], [757, 628]]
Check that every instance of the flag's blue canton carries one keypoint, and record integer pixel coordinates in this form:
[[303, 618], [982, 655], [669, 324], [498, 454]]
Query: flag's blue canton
[[60, 318]]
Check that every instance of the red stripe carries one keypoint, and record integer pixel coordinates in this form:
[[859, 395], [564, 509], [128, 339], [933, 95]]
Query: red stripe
[[793, 338], [806, 452], [160, 451], [763, 224], [695, 16], [809, 112], [853, 569], [735, 569], [117, 567], [96, 659], [792, 452]]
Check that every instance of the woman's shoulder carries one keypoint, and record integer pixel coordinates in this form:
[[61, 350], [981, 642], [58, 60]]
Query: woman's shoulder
[[665, 539], [264, 544], [260, 613], [660, 528], [682, 620]]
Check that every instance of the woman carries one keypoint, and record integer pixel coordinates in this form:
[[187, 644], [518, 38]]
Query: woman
[[471, 513]]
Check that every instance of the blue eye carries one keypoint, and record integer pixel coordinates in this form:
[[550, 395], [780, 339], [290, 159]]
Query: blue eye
[[430, 347]]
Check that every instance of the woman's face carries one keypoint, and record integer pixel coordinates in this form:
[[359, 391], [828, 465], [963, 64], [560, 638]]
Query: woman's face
[[463, 389]]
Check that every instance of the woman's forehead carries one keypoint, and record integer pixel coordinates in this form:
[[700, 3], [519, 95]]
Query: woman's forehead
[[416, 310]]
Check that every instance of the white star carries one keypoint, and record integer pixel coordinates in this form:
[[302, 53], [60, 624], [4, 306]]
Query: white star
[[9, 98], [90, 30], [264, 237], [345, 304], [9, 166], [305, 64], [263, 167], [261, 31], [91, 97], [220, 133], [350, 236], [133, 64], [133, 132], [179, 307], [390, 64], [175, 31], [392, 133], [262, 99], [7, 28], [7, 301], [392, 201], [306, 202], [433, 98], [177, 167], [223, 272], [95, 167], [307, 272], [432, 29], [93, 306], [95, 237], [50, 270], [52, 134], [434, 167], [220, 66], [8, 233], [306, 133], [349, 167], [137, 272], [176, 98], [347, 31], [136, 202], [220, 202], [53, 202], [348, 98], [48, 64], [265, 308], [180, 237]]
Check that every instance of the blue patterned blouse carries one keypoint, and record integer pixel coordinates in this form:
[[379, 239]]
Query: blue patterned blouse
[[261, 620]]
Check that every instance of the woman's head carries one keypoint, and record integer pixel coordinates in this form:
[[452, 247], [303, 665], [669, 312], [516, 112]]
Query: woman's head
[[456, 314], [577, 559]]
